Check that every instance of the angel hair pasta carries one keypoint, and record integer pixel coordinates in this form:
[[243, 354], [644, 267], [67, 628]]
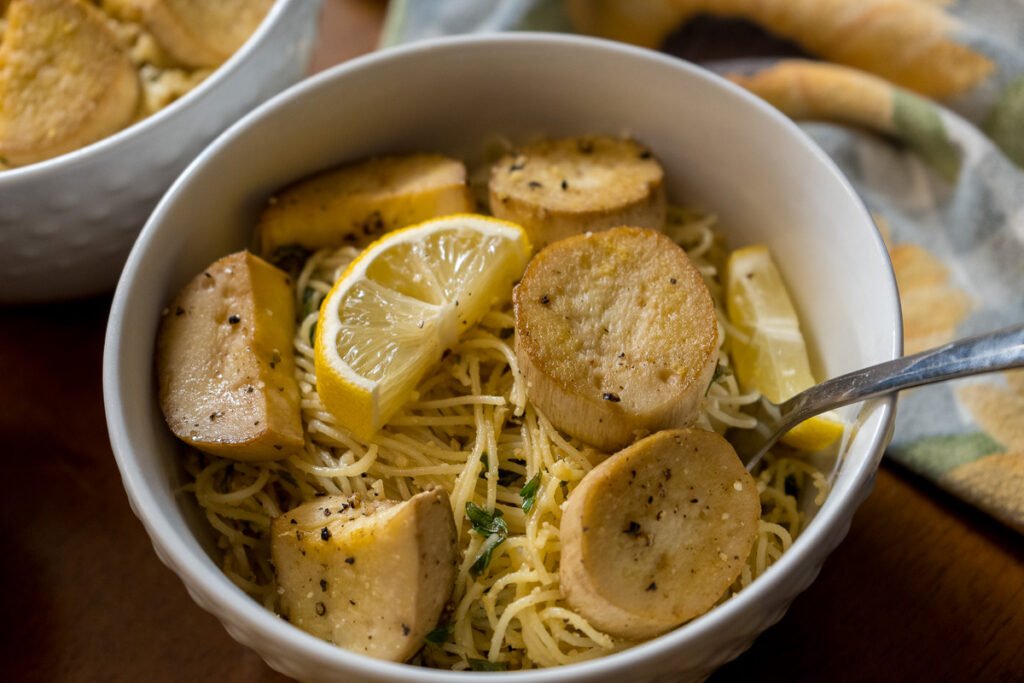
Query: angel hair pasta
[[471, 430]]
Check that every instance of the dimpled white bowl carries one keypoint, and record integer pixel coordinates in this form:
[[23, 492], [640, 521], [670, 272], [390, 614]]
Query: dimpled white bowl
[[67, 224], [721, 148]]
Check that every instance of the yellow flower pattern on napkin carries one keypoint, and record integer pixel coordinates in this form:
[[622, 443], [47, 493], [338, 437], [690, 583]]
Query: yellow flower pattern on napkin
[[995, 482], [932, 307]]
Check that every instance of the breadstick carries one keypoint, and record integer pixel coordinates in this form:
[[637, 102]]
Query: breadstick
[[640, 22], [905, 41], [806, 90]]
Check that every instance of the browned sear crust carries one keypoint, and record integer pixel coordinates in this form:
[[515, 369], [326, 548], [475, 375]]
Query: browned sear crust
[[372, 576], [658, 532], [616, 335], [559, 188], [225, 362], [201, 33], [65, 82]]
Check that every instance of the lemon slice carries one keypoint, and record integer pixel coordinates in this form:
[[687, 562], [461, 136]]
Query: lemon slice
[[771, 355], [401, 303]]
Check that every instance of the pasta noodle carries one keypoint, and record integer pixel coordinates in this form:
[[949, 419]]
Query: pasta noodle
[[471, 430]]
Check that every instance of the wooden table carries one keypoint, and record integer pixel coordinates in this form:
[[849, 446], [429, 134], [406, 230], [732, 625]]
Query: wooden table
[[923, 588]]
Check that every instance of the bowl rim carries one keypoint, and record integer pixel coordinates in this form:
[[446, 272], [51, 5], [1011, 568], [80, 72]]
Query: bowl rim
[[123, 137], [215, 593]]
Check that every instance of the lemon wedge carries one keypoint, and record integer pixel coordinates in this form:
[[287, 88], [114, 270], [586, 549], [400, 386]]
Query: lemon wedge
[[401, 303], [771, 355]]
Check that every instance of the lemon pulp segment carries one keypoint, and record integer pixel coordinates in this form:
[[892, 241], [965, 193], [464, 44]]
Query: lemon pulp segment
[[769, 353], [401, 303]]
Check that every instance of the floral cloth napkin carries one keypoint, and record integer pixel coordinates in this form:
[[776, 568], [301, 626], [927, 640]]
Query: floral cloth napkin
[[921, 103]]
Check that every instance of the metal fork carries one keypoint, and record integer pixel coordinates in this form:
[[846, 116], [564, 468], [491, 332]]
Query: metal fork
[[999, 350]]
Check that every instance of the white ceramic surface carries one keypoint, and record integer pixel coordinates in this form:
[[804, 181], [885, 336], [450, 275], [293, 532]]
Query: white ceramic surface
[[722, 149], [67, 224]]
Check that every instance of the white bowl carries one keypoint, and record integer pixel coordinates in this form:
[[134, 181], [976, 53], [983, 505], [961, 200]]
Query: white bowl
[[721, 148], [67, 224]]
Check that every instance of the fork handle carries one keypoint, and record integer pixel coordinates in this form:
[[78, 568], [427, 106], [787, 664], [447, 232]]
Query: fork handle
[[1000, 350]]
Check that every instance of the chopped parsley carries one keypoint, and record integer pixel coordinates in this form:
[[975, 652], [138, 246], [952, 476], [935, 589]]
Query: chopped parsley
[[483, 560], [529, 492], [440, 634], [720, 372], [490, 525], [290, 258], [487, 665], [486, 523]]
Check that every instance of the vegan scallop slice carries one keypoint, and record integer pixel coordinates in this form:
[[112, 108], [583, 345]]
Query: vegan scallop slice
[[559, 188], [225, 362], [655, 535], [200, 33], [64, 80], [616, 335], [358, 202], [372, 577]]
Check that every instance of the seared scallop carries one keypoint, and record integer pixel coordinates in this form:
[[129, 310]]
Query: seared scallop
[[370, 576], [560, 188], [616, 335], [655, 535]]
